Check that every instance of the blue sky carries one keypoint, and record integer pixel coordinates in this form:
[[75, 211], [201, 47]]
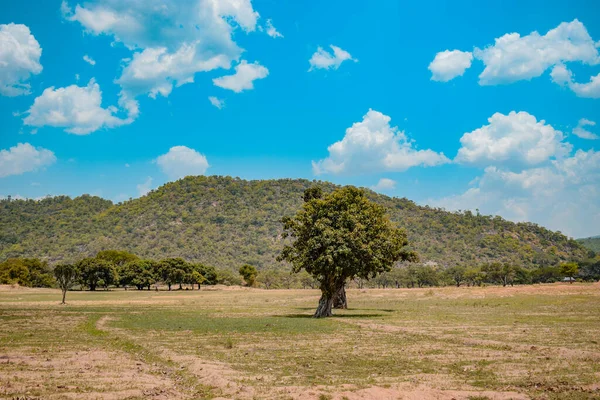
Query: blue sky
[[461, 105]]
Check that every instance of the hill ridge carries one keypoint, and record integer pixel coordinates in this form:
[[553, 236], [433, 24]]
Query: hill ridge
[[226, 221]]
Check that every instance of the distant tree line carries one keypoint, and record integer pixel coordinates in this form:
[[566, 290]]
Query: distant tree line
[[113, 268], [504, 274]]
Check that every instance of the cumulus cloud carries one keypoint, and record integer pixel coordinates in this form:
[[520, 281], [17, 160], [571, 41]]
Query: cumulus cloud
[[322, 59], [76, 109], [374, 145], [171, 40], [245, 75], [271, 31], [384, 184], [89, 60], [514, 57], [562, 76], [590, 89], [517, 138], [219, 103], [24, 158], [448, 64], [582, 132], [562, 195], [20, 56], [145, 187], [181, 161]]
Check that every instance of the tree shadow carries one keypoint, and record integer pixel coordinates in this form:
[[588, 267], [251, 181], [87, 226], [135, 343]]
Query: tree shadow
[[365, 315]]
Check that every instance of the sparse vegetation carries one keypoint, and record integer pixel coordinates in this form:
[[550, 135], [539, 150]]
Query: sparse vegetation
[[515, 342]]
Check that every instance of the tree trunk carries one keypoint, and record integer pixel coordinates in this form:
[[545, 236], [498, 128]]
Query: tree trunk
[[64, 295], [339, 300], [324, 308]]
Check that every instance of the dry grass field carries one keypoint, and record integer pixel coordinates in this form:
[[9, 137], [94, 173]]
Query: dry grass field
[[526, 342]]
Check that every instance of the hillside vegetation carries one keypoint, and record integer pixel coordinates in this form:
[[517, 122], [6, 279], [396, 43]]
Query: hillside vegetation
[[226, 222], [592, 243]]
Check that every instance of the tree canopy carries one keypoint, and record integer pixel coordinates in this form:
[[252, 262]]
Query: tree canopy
[[341, 236]]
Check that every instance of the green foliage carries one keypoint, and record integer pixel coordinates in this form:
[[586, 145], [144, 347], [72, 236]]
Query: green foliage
[[66, 276], [226, 277], [342, 236], [569, 270], [457, 274], [173, 271], [95, 272], [248, 272], [26, 272], [117, 257], [592, 243], [227, 222], [209, 273], [139, 273]]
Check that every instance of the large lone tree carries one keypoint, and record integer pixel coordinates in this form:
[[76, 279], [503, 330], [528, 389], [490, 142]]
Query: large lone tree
[[341, 236]]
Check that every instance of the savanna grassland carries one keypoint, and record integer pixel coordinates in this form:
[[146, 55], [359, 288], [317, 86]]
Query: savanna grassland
[[526, 342]]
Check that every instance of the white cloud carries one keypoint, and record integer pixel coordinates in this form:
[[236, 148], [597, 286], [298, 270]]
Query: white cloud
[[145, 187], [562, 76], [448, 64], [590, 89], [561, 196], [322, 59], [583, 133], [155, 71], [517, 138], [271, 31], [19, 59], [245, 75], [514, 58], [219, 103], [374, 145], [172, 40], [384, 184], [24, 158], [76, 109], [181, 161], [89, 60]]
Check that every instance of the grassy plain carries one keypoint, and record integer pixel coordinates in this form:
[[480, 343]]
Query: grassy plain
[[526, 342]]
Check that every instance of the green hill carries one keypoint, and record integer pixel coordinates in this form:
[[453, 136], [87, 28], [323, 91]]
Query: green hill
[[592, 243], [225, 222]]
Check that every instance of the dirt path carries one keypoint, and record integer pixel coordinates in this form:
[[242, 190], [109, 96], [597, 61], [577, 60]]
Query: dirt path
[[224, 381]]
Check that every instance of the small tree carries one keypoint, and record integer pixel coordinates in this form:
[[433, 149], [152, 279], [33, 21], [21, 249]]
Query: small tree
[[457, 273], [342, 236], [195, 277], [269, 278], [172, 271], [569, 270], [95, 272], [473, 276], [249, 273], [139, 273], [66, 275]]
